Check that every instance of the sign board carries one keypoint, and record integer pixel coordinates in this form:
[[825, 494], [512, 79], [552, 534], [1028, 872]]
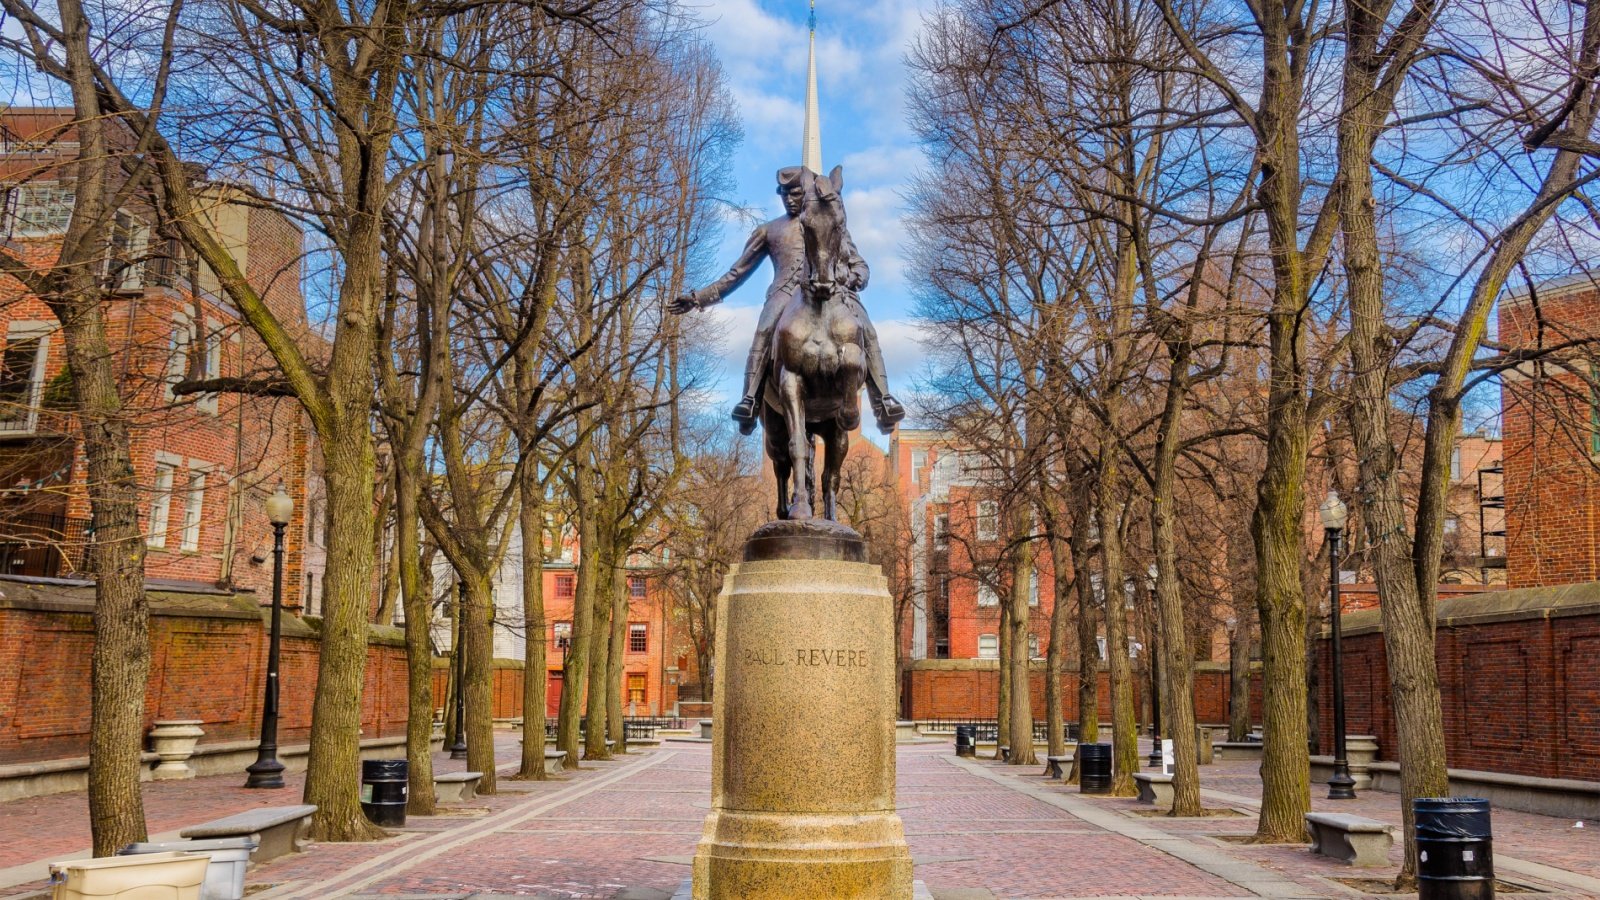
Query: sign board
[[1166, 756]]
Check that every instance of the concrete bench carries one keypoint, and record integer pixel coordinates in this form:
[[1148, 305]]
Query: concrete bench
[[1357, 841], [554, 761], [456, 787], [1052, 766], [1155, 788], [275, 829], [1237, 750]]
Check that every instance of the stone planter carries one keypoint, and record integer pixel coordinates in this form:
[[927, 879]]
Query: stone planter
[[173, 741], [1360, 751]]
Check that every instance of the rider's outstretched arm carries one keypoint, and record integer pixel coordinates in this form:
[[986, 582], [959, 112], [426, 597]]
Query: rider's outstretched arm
[[750, 259]]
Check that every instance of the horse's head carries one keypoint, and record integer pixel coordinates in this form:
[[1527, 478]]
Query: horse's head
[[822, 224]]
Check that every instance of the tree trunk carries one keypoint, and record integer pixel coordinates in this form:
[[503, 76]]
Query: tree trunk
[[1002, 709], [331, 780], [1056, 656], [478, 653], [594, 729], [417, 600], [534, 627], [1088, 634], [120, 660], [614, 664], [1124, 729], [575, 668], [1239, 680], [1021, 718], [119, 665], [1408, 626]]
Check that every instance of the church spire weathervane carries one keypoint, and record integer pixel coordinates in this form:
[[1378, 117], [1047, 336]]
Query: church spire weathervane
[[811, 140]]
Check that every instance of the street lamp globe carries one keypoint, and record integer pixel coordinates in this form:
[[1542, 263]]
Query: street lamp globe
[[1334, 512], [280, 506]]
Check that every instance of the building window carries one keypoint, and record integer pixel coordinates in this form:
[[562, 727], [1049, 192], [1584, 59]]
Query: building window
[[988, 520], [566, 587], [194, 499], [919, 461], [178, 353], [39, 209], [988, 646], [941, 530], [1452, 524], [941, 648], [125, 259], [1455, 463], [638, 637], [1033, 588], [22, 375], [1594, 411], [636, 688], [636, 588], [987, 595], [211, 364], [563, 635], [161, 505], [1033, 646]]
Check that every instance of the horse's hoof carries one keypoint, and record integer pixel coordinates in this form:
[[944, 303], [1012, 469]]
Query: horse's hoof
[[799, 511]]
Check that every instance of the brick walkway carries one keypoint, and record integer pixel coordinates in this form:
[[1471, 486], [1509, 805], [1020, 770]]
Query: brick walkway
[[627, 829]]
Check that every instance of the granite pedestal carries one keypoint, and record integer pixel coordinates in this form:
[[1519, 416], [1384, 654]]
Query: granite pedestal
[[803, 753]]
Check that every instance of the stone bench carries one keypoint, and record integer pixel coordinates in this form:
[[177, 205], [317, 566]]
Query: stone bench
[[1237, 750], [276, 830], [554, 761], [1155, 788], [456, 787], [1052, 766], [1356, 840]]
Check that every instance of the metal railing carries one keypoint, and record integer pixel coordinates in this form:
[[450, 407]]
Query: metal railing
[[41, 545], [988, 729]]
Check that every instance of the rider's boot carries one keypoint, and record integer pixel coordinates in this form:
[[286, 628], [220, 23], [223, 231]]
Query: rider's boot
[[746, 411], [885, 408]]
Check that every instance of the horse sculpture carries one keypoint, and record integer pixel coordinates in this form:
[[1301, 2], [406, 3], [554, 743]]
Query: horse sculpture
[[817, 364]]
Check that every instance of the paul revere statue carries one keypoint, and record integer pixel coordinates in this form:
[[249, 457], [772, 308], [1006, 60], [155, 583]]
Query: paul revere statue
[[782, 241]]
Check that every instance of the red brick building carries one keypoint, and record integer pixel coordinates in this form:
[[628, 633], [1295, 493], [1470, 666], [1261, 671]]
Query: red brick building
[[1551, 430], [206, 463]]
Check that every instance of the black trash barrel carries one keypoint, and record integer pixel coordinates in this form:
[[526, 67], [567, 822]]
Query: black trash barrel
[[1094, 768], [966, 740], [384, 789], [1455, 858]]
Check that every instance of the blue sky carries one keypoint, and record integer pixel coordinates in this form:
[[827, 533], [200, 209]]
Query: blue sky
[[861, 73]]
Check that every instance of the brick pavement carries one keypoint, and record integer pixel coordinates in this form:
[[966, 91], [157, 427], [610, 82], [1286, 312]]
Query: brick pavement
[[56, 826], [627, 828]]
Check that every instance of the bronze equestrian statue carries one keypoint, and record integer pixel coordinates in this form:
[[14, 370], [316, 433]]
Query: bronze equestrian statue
[[814, 344]]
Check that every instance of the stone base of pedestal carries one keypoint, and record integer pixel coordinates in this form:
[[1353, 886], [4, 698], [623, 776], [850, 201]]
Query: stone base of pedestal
[[802, 796]]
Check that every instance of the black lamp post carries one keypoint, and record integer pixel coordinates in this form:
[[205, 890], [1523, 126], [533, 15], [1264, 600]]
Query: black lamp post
[[1155, 678], [267, 771], [1341, 786], [458, 750]]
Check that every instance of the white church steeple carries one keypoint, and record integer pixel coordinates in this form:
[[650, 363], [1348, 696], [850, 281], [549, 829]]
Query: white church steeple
[[811, 140]]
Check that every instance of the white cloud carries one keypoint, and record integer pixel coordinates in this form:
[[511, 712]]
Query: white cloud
[[901, 341], [875, 224]]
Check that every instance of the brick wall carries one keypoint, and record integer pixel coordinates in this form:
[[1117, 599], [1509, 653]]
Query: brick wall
[[1518, 679], [964, 689], [208, 662]]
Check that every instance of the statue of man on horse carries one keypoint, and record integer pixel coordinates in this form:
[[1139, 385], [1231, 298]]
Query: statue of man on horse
[[814, 344]]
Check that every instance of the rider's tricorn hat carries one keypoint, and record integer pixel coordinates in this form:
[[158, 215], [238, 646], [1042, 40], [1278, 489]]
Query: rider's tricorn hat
[[789, 176]]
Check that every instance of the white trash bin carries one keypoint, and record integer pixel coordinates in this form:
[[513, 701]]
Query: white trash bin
[[225, 875], [154, 876]]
